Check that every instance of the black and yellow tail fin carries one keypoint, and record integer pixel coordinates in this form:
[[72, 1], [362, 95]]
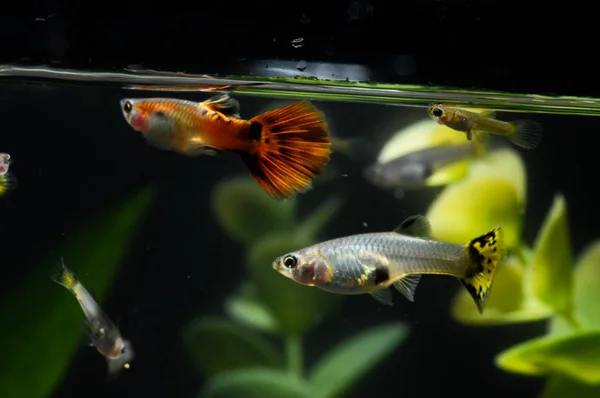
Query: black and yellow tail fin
[[63, 276], [8, 182], [484, 254]]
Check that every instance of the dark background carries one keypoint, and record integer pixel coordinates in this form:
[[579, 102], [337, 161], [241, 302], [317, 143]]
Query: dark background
[[74, 152], [516, 46]]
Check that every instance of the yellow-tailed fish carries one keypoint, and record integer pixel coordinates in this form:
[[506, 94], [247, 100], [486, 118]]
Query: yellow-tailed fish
[[524, 133], [411, 171], [104, 334], [371, 263], [7, 180]]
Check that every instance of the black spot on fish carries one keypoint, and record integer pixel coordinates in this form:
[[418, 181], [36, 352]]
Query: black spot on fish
[[255, 132], [160, 114], [382, 274]]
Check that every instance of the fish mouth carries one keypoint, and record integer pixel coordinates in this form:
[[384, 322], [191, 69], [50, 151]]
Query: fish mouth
[[276, 265]]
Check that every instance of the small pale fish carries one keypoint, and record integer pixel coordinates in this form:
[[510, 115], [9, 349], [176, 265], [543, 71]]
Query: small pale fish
[[371, 263], [412, 170], [7, 180], [526, 134], [103, 333]]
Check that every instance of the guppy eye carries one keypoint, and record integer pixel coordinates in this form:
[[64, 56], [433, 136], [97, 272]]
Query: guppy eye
[[437, 112], [290, 261], [127, 107]]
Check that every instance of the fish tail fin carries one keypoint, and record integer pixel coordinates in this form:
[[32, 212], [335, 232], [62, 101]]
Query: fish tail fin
[[291, 146], [484, 254], [527, 135], [64, 276], [8, 182]]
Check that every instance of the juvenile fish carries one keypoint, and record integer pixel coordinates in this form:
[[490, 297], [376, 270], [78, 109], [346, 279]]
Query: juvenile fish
[[412, 170], [526, 134], [104, 334], [284, 149], [371, 263]]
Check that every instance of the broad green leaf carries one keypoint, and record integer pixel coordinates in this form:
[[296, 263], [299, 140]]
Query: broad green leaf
[[576, 356], [564, 387], [296, 307], [506, 164], [46, 322], [419, 135], [474, 206], [344, 365], [246, 212], [246, 308], [587, 287], [256, 383], [506, 303], [219, 345], [551, 268]]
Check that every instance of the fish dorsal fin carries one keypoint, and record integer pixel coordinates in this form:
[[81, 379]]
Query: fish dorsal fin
[[407, 286], [417, 226], [383, 295], [224, 105]]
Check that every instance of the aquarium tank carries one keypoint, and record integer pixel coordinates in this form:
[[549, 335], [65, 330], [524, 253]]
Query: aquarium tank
[[312, 200]]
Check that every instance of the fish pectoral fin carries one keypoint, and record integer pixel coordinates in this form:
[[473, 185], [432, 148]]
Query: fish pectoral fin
[[407, 286], [383, 295], [416, 226], [223, 106]]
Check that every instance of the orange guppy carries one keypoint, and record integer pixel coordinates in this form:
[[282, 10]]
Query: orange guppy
[[284, 148]]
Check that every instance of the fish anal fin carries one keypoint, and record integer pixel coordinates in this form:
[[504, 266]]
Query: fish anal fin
[[416, 226], [290, 147], [407, 286], [383, 295], [223, 106]]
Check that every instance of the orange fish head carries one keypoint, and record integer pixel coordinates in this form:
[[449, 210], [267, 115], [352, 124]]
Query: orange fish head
[[436, 112], [134, 114]]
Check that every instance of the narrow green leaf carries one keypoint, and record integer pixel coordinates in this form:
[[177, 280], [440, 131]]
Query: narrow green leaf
[[551, 268], [345, 364], [296, 307], [46, 321], [257, 383], [247, 309], [246, 212], [564, 387], [576, 356], [219, 345]]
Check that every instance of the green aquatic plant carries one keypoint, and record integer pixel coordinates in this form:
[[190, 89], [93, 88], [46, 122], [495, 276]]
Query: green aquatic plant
[[538, 282], [237, 351], [46, 322]]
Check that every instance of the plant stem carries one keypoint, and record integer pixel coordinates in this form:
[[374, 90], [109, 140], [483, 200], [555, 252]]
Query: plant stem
[[293, 354]]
